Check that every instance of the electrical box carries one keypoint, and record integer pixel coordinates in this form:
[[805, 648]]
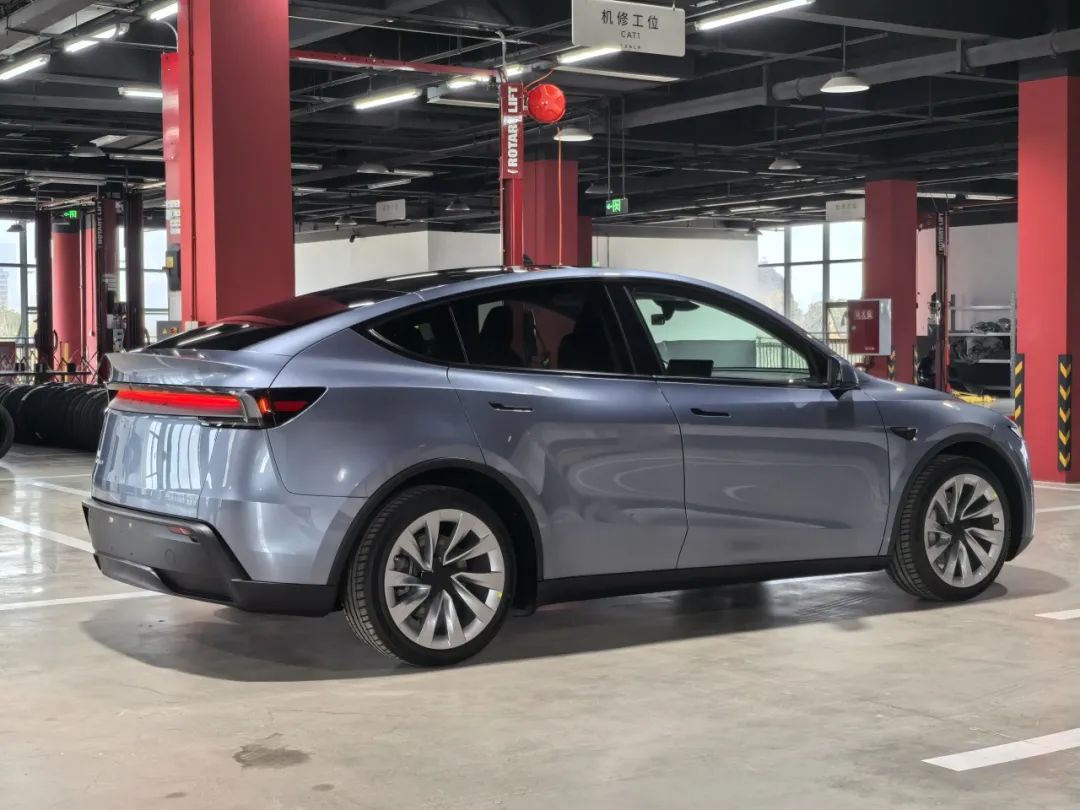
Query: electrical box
[[870, 326]]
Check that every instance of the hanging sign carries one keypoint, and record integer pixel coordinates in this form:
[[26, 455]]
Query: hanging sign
[[845, 210], [638, 27]]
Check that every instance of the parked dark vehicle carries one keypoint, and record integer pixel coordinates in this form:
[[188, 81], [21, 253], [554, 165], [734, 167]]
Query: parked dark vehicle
[[425, 451]]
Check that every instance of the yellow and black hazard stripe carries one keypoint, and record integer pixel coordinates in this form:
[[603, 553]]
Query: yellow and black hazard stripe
[[892, 365], [1018, 391], [1064, 420]]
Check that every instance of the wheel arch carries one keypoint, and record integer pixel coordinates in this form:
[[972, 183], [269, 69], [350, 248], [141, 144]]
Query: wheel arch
[[483, 481], [981, 449]]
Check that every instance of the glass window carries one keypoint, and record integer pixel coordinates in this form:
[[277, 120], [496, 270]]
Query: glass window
[[807, 297], [155, 290], [556, 327], [771, 246], [770, 288], [845, 240], [428, 333], [846, 281], [807, 243], [695, 339]]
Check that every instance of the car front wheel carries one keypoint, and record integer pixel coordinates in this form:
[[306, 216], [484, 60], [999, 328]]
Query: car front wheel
[[953, 533], [429, 582]]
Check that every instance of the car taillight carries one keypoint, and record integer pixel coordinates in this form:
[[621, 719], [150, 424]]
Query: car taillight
[[202, 404], [277, 406], [250, 409]]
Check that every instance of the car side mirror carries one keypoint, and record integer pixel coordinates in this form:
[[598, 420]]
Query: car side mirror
[[841, 375]]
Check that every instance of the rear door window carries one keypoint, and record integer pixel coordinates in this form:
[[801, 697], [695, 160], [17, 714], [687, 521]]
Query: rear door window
[[550, 327], [428, 333]]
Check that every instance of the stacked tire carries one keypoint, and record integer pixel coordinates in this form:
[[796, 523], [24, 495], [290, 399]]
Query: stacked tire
[[67, 415]]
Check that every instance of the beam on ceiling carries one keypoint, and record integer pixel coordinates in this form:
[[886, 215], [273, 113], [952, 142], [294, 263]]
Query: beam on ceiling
[[882, 25], [33, 19]]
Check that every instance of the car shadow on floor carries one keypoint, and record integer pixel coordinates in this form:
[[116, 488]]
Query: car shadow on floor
[[229, 644]]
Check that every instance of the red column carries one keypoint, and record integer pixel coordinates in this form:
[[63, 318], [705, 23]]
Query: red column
[[551, 198], [584, 252], [1048, 282], [234, 58], [889, 268], [67, 290]]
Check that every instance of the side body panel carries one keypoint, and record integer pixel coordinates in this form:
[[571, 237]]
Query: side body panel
[[942, 420], [381, 413], [778, 474], [599, 458]]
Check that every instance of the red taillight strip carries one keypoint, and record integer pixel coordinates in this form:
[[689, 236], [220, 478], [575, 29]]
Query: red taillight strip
[[182, 403]]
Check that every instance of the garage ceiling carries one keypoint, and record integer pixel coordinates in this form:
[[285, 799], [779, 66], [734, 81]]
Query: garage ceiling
[[686, 150]]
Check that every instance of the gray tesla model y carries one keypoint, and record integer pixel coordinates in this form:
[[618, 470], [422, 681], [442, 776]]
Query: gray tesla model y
[[425, 452]]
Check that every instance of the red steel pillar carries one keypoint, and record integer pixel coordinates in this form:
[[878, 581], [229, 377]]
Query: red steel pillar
[[233, 140], [67, 297], [1048, 282], [889, 269], [551, 211]]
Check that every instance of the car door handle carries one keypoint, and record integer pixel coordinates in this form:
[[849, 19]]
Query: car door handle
[[710, 414], [510, 408]]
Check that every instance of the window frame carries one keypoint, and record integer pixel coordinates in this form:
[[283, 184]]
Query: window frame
[[761, 317], [621, 345]]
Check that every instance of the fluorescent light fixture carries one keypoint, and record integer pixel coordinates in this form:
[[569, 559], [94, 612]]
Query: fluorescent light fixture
[[307, 167], [748, 12], [404, 181], [618, 74], [302, 190], [585, 54], [750, 209], [107, 140], [465, 82], [152, 186], [990, 197], [464, 102], [413, 172], [10, 71], [785, 164], [380, 168], [573, 135], [164, 12], [845, 82], [138, 157], [89, 42], [140, 92], [383, 99]]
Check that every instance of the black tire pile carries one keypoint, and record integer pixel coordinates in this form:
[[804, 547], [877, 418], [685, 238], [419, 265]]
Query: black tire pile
[[68, 415]]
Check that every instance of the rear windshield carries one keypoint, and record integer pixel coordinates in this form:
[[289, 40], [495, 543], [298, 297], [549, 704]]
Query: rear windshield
[[242, 331]]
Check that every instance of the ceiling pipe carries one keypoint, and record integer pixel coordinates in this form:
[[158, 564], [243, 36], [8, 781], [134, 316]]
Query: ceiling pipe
[[954, 61]]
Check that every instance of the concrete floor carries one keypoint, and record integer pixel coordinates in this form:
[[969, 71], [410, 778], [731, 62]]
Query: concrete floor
[[806, 694]]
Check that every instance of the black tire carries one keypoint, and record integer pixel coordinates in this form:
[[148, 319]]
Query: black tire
[[7, 431], [909, 564], [364, 602]]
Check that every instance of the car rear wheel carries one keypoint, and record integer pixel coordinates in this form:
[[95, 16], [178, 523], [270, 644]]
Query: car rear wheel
[[429, 582], [953, 532]]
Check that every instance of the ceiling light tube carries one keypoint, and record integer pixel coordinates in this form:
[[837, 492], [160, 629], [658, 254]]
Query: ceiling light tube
[[89, 42], [136, 156], [307, 167], [140, 92], [164, 12], [465, 82], [749, 12], [404, 181], [398, 96], [749, 209], [585, 54], [10, 71]]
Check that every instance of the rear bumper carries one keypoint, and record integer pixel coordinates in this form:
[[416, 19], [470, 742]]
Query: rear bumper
[[188, 558]]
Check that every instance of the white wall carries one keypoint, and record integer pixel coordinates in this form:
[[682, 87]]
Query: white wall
[[319, 265], [983, 261], [730, 262]]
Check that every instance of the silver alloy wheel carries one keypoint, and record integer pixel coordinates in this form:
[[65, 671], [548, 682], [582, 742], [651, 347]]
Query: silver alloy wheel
[[964, 531], [444, 578]]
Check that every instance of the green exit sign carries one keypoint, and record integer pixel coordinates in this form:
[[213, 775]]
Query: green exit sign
[[71, 213], [620, 205]]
